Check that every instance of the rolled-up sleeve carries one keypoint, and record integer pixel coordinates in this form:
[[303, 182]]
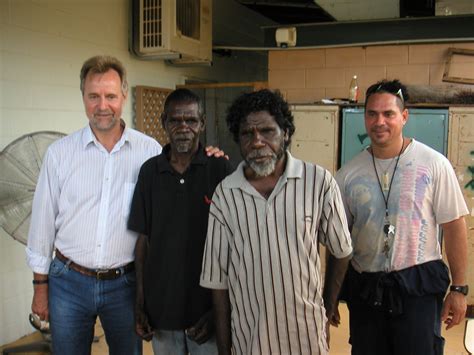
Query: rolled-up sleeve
[[42, 231], [334, 232]]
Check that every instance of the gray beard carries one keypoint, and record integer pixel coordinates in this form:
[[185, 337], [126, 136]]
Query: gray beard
[[96, 124], [262, 169], [183, 147]]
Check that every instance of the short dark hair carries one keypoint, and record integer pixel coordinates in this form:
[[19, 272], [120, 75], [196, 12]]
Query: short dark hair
[[181, 95], [394, 87], [101, 64], [262, 100]]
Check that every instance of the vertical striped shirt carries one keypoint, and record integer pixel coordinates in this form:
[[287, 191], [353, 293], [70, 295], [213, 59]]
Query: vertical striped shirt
[[265, 252], [82, 200]]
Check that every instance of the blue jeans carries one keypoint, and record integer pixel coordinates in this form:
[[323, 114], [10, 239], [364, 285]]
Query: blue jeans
[[75, 301], [175, 342]]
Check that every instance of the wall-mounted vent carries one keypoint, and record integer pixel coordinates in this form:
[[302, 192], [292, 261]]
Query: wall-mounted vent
[[188, 18], [179, 30], [151, 27]]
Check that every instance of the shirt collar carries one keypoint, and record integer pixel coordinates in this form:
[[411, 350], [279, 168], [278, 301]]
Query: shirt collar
[[293, 170], [163, 164], [88, 136]]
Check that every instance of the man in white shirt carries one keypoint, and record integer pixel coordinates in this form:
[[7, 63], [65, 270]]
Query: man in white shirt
[[80, 211], [397, 194]]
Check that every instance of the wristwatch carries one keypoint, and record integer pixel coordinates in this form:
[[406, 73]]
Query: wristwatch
[[461, 289]]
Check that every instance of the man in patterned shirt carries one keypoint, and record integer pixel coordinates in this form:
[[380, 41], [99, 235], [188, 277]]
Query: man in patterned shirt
[[397, 194], [266, 220]]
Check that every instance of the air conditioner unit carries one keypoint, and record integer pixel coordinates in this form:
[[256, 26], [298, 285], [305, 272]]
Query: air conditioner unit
[[176, 30]]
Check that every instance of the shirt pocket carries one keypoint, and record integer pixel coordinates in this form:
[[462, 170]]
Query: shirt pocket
[[127, 198]]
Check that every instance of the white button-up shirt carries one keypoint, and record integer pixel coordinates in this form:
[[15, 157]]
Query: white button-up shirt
[[82, 200]]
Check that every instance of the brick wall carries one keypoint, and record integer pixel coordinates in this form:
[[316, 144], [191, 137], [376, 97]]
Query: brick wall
[[306, 76]]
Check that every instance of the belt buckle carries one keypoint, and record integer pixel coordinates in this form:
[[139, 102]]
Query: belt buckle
[[100, 272]]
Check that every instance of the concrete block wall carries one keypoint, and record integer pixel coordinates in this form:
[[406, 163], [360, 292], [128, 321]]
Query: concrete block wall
[[306, 76]]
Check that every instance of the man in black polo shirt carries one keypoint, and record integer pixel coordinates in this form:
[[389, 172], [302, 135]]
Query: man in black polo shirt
[[170, 212]]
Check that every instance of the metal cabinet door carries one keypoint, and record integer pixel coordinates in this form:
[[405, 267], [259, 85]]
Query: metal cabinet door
[[316, 136], [429, 126]]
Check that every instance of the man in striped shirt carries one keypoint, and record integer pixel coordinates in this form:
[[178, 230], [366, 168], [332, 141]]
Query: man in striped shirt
[[266, 220]]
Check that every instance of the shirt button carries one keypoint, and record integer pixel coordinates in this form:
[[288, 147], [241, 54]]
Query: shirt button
[[181, 181]]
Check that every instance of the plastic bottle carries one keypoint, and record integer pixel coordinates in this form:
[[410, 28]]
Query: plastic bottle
[[354, 90]]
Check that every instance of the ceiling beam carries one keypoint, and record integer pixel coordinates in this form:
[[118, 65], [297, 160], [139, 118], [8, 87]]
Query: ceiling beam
[[429, 29]]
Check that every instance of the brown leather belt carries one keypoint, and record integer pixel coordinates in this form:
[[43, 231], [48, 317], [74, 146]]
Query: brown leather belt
[[99, 274]]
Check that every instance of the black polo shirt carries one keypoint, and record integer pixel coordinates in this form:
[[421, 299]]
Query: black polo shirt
[[172, 210]]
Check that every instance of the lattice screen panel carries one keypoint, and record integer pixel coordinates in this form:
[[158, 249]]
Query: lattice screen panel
[[150, 102]]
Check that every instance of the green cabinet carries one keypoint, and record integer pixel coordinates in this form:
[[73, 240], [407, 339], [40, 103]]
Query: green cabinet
[[429, 126]]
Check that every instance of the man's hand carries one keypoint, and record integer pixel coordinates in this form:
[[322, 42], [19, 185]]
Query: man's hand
[[203, 329], [39, 305], [334, 318], [142, 327], [216, 152], [454, 309]]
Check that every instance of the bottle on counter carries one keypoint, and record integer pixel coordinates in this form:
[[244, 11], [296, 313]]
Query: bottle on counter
[[354, 90]]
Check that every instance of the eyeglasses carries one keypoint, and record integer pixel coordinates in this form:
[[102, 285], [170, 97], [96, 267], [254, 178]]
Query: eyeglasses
[[383, 88]]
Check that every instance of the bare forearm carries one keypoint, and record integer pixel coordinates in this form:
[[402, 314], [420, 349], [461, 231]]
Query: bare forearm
[[39, 277], [222, 320], [455, 239], [39, 304], [141, 249], [335, 273]]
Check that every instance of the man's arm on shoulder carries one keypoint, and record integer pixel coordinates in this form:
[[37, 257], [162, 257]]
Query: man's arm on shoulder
[[455, 241], [216, 152], [221, 303]]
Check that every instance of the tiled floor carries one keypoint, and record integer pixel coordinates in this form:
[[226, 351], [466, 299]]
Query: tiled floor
[[339, 336]]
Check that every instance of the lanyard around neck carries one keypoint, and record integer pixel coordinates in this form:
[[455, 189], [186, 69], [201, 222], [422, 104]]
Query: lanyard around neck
[[385, 199]]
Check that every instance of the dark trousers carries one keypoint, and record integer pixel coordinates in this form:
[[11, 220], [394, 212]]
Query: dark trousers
[[417, 331], [397, 313]]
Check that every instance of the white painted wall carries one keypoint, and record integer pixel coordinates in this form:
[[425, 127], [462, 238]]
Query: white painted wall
[[43, 44]]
